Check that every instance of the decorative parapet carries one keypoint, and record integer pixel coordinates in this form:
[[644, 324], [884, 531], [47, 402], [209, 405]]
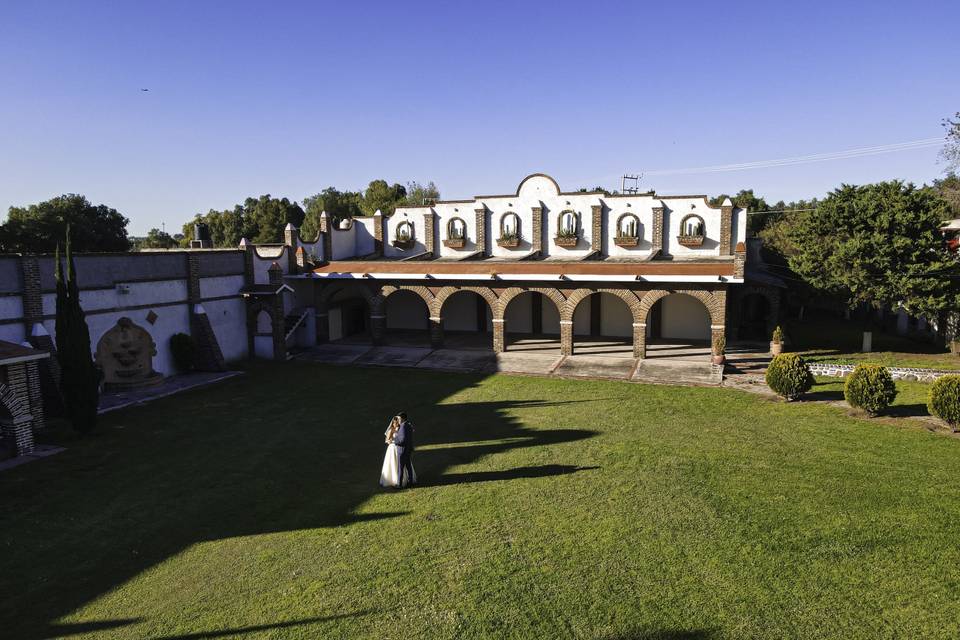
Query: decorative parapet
[[726, 227], [325, 228], [909, 374], [656, 239], [596, 239], [481, 214], [536, 230]]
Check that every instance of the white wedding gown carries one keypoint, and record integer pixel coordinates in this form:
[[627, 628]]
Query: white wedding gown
[[390, 474]]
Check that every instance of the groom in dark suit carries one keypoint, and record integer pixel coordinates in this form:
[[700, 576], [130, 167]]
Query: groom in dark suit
[[404, 441]]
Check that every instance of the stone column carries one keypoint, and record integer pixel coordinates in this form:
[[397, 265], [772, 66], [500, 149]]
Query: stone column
[[499, 346], [209, 354], [536, 230], [566, 337], [38, 336], [739, 260], [249, 276], [378, 327], [596, 231], [378, 233], [436, 332], [35, 394], [481, 218], [639, 339], [726, 227], [291, 238], [656, 239], [326, 237], [429, 233], [275, 275]]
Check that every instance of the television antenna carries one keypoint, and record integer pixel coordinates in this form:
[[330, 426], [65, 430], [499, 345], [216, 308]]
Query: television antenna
[[633, 180]]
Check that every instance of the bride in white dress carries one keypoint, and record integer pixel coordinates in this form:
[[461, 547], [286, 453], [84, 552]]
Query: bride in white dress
[[390, 473]]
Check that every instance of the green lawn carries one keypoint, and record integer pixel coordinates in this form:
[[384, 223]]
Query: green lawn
[[832, 339], [549, 509], [911, 400]]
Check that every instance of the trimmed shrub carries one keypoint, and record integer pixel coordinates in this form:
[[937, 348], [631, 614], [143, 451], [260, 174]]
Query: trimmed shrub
[[944, 400], [184, 352], [871, 388], [789, 376]]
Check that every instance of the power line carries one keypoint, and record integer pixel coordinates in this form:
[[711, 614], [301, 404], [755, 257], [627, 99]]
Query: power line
[[807, 159]]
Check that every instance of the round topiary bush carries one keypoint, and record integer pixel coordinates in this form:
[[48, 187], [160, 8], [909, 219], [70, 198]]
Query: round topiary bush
[[184, 352], [870, 387], [944, 400], [789, 376]]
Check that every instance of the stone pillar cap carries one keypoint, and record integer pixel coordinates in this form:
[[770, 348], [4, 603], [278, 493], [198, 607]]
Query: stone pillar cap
[[289, 227], [244, 243], [275, 266], [323, 214], [199, 310], [727, 202], [39, 330], [377, 213]]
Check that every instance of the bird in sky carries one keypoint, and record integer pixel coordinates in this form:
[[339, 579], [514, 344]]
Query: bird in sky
[[144, 89]]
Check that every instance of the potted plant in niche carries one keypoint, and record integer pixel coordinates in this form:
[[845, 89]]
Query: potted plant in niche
[[691, 231], [625, 239], [719, 350], [776, 341], [509, 238], [568, 229], [456, 237], [403, 236]]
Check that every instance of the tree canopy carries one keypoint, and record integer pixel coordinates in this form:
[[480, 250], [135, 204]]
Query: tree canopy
[[745, 199], [338, 205], [877, 244], [951, 150], [38, 228], [261, 220], [155, 239]]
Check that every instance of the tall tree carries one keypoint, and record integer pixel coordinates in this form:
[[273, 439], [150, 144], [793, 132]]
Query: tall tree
[[155, 239], [38, 228], [757, 206], [878, 245], [382, 197], [418, 194], [260, 220], [79, 378], [338, 205], [951, 149], [949, 189]]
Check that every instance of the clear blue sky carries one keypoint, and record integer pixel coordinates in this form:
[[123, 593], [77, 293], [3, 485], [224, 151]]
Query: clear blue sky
[[290, 97]]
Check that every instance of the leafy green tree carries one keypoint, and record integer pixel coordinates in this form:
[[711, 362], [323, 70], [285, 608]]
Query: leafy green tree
[[383, 197], [949, 189], [418, 193], [156, 239], [260, 220], [337, 204], [79, 378], [38, 228], [745, 199], [951, 150], [877, 245]]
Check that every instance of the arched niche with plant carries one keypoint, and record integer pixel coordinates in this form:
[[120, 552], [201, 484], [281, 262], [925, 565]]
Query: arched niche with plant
[[628, 231], [692, 231], [568, 229], [403, 235], [456, 234], [509, 230]]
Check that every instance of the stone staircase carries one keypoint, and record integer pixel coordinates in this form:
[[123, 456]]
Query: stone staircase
[[292, 321]]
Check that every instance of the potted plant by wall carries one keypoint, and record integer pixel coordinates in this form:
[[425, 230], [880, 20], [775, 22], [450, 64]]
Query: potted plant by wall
[[719, 350], [776, 341], [691, 231], [456, 238], [623, 240], [567, 238], [403, 237], [508, 239]]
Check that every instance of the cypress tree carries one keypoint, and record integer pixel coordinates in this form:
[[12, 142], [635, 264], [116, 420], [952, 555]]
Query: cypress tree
[[79, 379]]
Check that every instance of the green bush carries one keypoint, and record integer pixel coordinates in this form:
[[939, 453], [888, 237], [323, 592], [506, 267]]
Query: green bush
[[789, 376], [870, 387], [944, 400], [184, 352]]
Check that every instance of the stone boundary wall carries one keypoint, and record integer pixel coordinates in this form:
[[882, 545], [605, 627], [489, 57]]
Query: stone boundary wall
[[909, 374]]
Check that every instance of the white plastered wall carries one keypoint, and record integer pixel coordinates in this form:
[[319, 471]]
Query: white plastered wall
[[684, 317]]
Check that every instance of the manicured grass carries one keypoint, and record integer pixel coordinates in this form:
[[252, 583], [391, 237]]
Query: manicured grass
[[832, 339], [549, 509], [911, 397]]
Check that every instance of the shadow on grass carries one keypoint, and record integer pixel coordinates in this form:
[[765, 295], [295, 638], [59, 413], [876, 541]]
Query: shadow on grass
[[907, 410], [289, 446], [664, 634], [225, 633], [542, 471], [63, 630]]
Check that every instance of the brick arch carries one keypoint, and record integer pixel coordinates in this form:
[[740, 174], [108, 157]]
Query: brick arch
[[13, 402], [423, 292], [713, 302], [578, 295], [486, 293], [364, 291], [553, 294]]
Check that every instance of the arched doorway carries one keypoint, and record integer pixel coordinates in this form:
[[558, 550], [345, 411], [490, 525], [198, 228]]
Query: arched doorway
[[407, 320], [532, 323], [348, 318], [603, 325], [467, 321], [754, 317], [678, 326]]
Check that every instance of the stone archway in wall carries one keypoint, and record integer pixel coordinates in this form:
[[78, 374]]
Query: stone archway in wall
[[125, 355], [465, 316], [603, 321], [755, 312], [533, 320], [347, 313], [680, 324], [407, 317]]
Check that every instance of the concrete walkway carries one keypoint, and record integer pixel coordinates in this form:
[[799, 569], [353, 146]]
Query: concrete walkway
[[603, 366], [113, 400]]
